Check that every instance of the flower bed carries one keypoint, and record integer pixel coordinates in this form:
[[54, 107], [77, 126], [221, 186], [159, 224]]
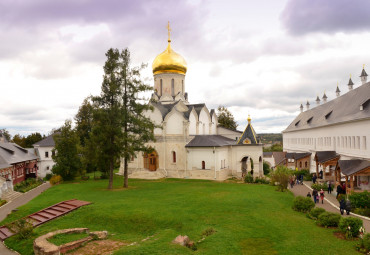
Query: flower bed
[[27, 185]]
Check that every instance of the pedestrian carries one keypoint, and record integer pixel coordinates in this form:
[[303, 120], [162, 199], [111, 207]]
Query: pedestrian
[[329, 187], [297, 177], [342, 205], [314, 177], [322, 196], [348, 206], [314, 194], [291, 181], [321, 174], [308, 194], [339, 190]]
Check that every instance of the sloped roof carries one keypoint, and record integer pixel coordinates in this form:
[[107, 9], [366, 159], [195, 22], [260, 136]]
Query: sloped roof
[[47, 141], [352, 166], [344, 108], [297, 155], [267, 154], [250, 134], [11, 153], [210, 141], [324, 156]]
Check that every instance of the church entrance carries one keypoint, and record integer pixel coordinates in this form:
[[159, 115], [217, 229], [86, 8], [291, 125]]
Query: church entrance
[[151, 161], [244, 166]]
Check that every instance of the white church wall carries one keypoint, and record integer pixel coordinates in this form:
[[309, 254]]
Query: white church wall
[[214, 124], [251, 151], [204, 120], [231, 134], [197, 155], [179, 83], [193, 123], [156, 117], [174, 123]]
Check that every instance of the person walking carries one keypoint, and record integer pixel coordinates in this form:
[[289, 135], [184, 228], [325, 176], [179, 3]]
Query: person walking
[[342, 206], [322, 196], [314, 194], [291, 181], [339, 190], [329, 187], [348, 206], [314, 177]]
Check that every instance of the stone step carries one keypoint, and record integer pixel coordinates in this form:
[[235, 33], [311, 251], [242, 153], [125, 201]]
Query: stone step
[[146, 174], [11, 195]]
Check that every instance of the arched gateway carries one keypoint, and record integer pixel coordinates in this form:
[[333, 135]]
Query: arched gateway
[[151, 161]]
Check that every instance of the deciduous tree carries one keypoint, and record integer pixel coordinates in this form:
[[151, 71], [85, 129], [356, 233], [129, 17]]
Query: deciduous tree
[[226, 118]]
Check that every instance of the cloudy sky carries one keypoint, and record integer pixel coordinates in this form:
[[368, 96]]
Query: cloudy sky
[[262, 58]]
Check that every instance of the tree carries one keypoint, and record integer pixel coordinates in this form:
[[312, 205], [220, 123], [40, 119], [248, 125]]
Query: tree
[[266, 168], [32, 139], [226, 118], [281, 176], [66, 152], [20, 140], [274, 147], [84, 119], [6, 134]]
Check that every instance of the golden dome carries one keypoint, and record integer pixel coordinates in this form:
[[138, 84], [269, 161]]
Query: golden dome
[[169, 62]]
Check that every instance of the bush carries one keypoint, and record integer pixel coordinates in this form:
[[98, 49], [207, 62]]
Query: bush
[[261, 181], [366, 241], [318, 186], [56, 179], [27, 185], [315, 213], [22, 227], [328, 219], [281, 176], [303, 204], [248, 178], [266, 168], [305, 173], [360, 200], [362, 211], [340, 196], [48, 177], [354, 223]]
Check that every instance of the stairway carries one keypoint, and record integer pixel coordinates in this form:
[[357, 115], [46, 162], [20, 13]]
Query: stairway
[[10, 195], [146, 174]]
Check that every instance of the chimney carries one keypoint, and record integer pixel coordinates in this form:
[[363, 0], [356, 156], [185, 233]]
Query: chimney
[[363, 75], [324, 98], [301, 107], [350, 83], [317, 100], [308, 105], [337, 91]]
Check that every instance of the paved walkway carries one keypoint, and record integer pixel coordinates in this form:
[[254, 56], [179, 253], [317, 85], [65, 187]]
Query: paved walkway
[[19, 201], [330, 202]]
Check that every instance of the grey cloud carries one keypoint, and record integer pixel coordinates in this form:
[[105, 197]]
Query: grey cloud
[[328, 16]]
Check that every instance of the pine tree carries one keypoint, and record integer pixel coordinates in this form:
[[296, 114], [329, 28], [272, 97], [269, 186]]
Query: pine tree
[[226, 118]]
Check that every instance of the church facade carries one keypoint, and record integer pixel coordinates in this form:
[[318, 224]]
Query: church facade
[[190, 144]]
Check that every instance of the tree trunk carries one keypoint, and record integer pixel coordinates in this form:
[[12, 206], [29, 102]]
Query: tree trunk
[[125, 174], [110, 185]]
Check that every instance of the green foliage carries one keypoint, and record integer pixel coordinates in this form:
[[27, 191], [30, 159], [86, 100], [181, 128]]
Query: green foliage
[[261, 180], [360, 199], [328, 219], [274, 147], [2, 202], [56, 179], [266, 168], [66, 153], [315, 213], [22, 227], [60, 239], [281, 176], [28, 141], [248, 178], [362, 211], [267, 138], [27, 185], [340, 196], [4, 132], [366, 241], [306, 174], [225, 118], [351, 225], [319, 186], [48, 176], [303, 204]]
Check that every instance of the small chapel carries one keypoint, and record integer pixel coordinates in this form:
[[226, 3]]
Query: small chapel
[[190, 143]]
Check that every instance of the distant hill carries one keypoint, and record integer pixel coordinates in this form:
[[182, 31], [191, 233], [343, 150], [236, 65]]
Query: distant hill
[[271, 138]]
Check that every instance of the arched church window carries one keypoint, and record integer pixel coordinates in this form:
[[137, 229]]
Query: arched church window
[[172, 87], [173, 157], [203, 165], [161, 87]]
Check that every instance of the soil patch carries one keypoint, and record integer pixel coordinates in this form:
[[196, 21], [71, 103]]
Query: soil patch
[[99, 247], [342, 236]]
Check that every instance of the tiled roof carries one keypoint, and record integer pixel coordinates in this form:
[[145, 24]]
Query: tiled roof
[[250, 134], [47, 141], [11, 153], [344, 108], [349, 167], [324, 156], [210, 141], [297, 155]]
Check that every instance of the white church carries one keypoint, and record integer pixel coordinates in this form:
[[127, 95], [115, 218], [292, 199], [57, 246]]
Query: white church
[[190, 144]]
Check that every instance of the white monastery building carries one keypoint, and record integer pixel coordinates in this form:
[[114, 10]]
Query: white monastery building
[[44, 151], [337, 134], [190, 144]]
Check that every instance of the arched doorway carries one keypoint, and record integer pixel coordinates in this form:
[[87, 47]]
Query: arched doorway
[[151, 161], [260, 166], [244, 166]]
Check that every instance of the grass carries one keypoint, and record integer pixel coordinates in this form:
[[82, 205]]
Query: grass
[[66, 238], [247, 219]]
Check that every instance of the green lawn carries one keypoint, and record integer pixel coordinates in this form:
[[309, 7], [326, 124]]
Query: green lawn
[[249, 219]]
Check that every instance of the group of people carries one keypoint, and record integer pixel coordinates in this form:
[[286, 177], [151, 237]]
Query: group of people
[[295, 180], [317, 196]]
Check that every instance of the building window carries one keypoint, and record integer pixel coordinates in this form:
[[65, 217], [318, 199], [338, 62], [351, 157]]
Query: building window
[[47, 168], [305, 164], [46, 154], [300, 164], [172, 87], [161, 87], [173, 157], [203, 165], [364, 142]]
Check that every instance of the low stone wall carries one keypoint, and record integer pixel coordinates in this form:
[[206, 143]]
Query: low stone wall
[[41, 245]]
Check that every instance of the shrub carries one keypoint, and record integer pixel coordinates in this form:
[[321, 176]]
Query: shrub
[[354, 223], [366, 241], [318, 186], [248, 178], [261, 180], [315, 213], [303, 204], [27, 185], [328, 219], [56, 179], [340, 196], [266, 168], [22, 227], [305, 173], [362, 211], [48, 177], [281, 176], [360, 200]]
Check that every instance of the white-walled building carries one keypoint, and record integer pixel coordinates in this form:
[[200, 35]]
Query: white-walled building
[[44, 150], [190, 144], [339, 127]]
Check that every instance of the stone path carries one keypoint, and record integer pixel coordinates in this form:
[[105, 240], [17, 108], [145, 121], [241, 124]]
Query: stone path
[[329, 202], [8, 207]]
